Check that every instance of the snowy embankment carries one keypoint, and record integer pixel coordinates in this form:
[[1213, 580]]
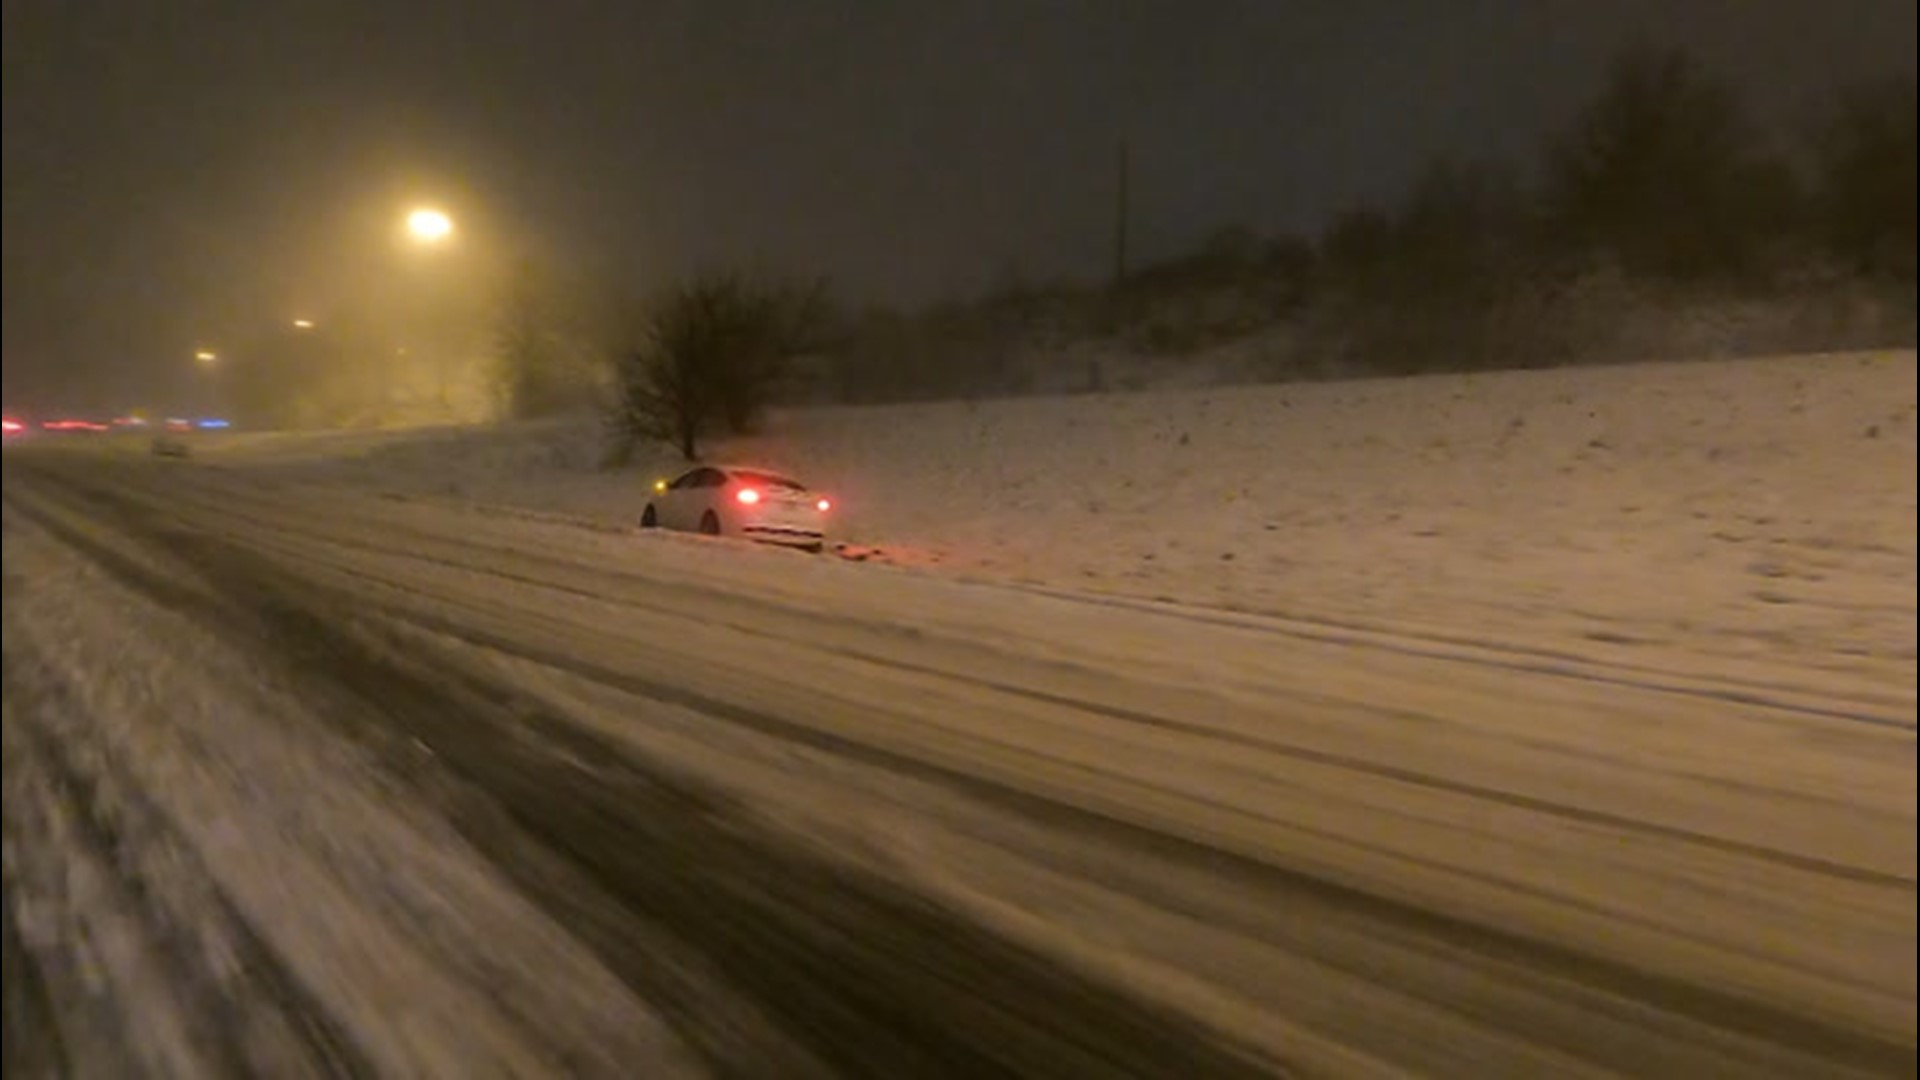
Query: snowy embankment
[[1752, 520]]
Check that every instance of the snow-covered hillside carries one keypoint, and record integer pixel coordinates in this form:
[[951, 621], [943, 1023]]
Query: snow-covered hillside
[[1750, 519]]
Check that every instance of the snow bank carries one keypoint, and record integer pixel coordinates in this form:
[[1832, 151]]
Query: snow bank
[[1745, 517]]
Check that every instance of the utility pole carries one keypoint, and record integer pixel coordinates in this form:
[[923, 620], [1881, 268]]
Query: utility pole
[[1120, 218]]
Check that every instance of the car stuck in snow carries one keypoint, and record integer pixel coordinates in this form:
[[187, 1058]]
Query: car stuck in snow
[[756, 504]]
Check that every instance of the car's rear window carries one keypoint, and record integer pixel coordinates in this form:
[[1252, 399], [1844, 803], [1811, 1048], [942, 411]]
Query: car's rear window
[[768, 480]]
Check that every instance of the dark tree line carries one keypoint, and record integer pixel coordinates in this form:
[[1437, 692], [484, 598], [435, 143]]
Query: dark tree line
[[1657, 201], [1660, 193], [1664, 176]]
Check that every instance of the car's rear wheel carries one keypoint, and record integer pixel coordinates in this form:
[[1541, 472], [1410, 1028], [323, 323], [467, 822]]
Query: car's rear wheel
[[710, 524], [649, 518]]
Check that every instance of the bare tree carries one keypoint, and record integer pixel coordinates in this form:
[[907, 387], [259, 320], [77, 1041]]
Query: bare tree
[[712, 352]]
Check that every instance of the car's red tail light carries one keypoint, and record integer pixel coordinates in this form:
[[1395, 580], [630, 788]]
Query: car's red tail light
[[748, 496], [825, 505]]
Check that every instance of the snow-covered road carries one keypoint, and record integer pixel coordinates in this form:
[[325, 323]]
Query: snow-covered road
[[300, 781]]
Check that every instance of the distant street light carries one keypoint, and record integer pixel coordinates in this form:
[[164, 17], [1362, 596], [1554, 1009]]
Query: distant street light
[[205, 356], [303, 324], [429, 226]]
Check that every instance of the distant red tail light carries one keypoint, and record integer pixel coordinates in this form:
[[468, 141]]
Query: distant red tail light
[[748, 496]]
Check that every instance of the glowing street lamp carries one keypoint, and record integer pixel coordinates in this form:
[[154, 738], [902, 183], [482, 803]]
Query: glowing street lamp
[[429, 226], [303, 324], [206, 356]]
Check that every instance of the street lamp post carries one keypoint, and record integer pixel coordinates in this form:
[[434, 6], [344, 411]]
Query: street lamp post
[[428, 227]]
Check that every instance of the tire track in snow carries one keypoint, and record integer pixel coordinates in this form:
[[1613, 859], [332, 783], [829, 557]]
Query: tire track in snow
[[1871, 711], [1758, 1020], [1713, 1007], [1504, 656], [868, 978], [250, 1015], [30, 1030], [1397, 774], [467, 949]]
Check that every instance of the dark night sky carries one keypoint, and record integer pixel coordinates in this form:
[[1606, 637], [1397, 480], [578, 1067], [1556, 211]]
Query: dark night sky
[[176, 171]]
